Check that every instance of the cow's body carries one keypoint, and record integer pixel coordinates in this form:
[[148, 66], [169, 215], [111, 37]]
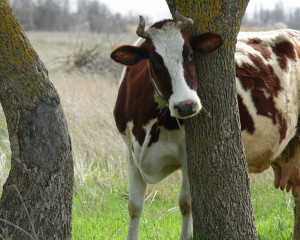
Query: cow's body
[[268, 77]]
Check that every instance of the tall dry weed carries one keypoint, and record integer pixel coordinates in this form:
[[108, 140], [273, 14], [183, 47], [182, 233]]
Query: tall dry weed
[[88, 101]]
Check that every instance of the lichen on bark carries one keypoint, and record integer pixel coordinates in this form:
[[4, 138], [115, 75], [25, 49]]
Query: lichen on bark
[[20, 62]]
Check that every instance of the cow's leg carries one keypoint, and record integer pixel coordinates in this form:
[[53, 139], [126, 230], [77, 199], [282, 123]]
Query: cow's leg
[[137, 188], [296, 233], [185, 206]]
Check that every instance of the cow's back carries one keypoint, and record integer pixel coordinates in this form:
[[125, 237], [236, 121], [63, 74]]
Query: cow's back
[[267, 69]]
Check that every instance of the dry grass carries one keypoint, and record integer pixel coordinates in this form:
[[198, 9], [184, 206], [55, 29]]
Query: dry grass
[[88, 102]]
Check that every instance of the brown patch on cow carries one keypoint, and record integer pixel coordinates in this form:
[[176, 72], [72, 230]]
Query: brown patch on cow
[[245, 117], [168, 122], [190, 74], [160, 24], [264, 86], [136, 81], [283, 127], [119, 110], [160, 74], [134, 210], [284, 51], [259, 46], [265, 76], [164, 120], [185, 205], [189, 67], [154, 133], [135, 101]]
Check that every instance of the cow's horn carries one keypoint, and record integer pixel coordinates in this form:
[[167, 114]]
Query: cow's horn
[[183, 21], [141, 29]]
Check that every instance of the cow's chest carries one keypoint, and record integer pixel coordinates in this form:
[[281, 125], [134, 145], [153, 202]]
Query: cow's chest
[[158, 160]]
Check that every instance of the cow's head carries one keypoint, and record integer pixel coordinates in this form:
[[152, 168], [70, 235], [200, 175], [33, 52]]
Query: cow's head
[[169, 50]]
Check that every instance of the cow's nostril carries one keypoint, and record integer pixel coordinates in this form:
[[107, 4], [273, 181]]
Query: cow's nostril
[[186, 108]]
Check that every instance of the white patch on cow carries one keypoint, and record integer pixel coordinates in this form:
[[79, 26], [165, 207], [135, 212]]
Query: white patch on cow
[[157, 161], [163, 157], [168, 43]]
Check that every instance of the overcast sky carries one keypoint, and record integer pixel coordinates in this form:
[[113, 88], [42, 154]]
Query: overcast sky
[[158, 9]]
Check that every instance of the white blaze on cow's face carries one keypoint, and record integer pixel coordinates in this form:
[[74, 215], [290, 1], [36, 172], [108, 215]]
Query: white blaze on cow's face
[[169, 45]]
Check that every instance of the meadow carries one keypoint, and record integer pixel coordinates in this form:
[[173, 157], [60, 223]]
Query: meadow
[[88, 94]]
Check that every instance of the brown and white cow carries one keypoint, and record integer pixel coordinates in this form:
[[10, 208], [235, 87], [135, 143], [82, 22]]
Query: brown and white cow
[[158, 90]]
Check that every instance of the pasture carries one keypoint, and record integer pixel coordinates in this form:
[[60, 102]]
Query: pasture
[[100, 188]]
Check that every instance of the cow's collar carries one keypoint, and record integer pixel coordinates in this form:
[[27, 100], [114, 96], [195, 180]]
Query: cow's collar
[[156, 89]]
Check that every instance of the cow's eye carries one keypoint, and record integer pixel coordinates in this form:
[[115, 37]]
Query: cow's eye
[[191, 57], [156, 61], [157, 65]]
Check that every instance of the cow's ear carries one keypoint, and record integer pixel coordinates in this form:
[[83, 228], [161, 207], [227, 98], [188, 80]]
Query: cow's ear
[[207, 43], [129, 55]]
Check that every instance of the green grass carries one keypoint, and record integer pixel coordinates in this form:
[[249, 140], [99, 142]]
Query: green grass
[[273, 210], [100, 211]]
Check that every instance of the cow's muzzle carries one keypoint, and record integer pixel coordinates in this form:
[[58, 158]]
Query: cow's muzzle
[[186, 109]]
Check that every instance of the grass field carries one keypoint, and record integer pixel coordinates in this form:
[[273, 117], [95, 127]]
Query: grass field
[[100, 189]]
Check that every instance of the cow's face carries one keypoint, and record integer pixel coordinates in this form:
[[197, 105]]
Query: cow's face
[[169, 51]]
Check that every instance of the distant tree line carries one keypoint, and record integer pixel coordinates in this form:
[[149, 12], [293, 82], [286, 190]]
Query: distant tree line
[[56, 15], [279, 17], [92, 15]]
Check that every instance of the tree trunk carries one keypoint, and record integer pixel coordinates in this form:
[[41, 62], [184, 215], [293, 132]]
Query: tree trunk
[[36, 202], [221, 203]]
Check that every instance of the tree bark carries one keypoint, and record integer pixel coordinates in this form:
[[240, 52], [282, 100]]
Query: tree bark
[[221, 203], [36, 202]]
